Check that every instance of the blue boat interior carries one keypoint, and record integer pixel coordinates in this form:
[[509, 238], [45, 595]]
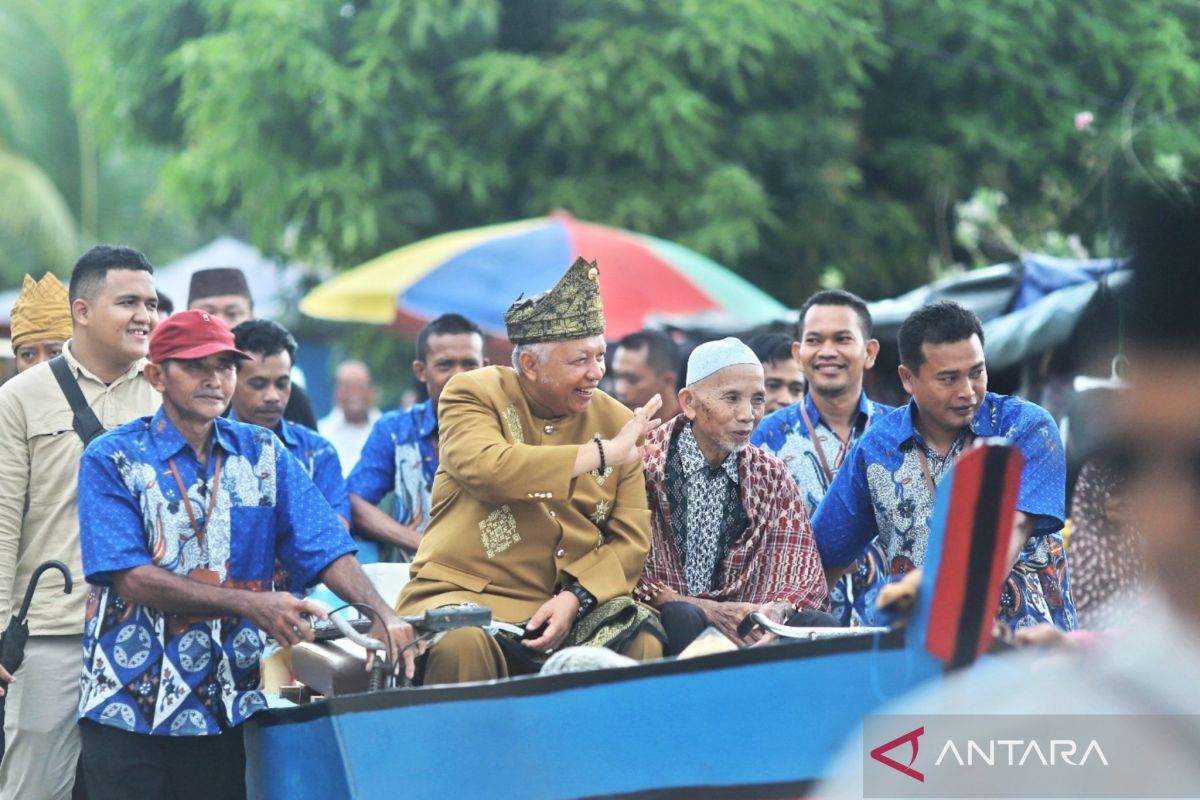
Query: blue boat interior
[[761, 722]]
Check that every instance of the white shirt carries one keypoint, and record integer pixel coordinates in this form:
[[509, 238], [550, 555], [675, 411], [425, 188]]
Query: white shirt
[[347, 437]]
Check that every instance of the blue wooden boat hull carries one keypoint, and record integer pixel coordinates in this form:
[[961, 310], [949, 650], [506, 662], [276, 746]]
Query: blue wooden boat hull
[[762, 722], [768, 719]]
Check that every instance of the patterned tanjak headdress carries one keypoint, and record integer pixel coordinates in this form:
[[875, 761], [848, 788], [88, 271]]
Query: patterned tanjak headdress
[[42, 312], [571, 310]]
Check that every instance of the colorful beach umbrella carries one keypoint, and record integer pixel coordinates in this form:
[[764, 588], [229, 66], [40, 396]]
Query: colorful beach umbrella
[[479, 272]]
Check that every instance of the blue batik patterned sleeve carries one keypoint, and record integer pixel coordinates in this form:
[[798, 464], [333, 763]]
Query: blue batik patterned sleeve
[[111, 534], [1044, 479], [309, 535], [771, 432], [375, 473], [845, 520], [327, 475]]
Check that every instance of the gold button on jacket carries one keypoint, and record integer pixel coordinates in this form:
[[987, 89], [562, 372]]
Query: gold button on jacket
[[492, 538]]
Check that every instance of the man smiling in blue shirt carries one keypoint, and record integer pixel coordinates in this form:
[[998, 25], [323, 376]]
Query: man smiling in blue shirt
[[835, 347], [183, 516], [401, 454], [884, 493]]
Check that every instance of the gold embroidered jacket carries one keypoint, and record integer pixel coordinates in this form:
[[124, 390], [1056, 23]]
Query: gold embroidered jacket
[[508, 523]]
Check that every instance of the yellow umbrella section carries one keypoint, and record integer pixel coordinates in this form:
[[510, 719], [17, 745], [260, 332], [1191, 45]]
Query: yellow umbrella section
[[367, 293]]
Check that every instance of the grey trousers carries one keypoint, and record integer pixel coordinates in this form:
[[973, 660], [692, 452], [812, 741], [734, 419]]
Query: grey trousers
[[40, 731]]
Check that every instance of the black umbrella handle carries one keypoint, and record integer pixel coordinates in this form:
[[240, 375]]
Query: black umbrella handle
[[33, 582]]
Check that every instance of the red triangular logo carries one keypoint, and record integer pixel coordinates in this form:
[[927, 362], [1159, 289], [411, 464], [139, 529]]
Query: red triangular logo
[[910, 737]]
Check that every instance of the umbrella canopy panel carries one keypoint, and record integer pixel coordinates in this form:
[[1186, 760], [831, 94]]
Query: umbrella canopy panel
[[632, 276], [479, 272]]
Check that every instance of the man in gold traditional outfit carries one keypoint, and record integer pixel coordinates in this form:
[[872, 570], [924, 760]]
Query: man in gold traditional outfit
[[539, 505]]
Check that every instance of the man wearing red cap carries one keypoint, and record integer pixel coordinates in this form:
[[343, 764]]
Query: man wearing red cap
[[183, 516]]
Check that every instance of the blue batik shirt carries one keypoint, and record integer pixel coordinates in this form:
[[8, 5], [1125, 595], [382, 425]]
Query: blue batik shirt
[[152, 672], [320, 461], [784, 434], [880, 497], [400, 456]]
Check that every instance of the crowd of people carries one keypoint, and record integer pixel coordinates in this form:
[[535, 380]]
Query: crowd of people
[[174, 466]]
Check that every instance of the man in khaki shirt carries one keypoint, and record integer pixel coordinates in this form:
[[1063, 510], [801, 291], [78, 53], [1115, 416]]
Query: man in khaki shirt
[[539, 505], [114, 309]]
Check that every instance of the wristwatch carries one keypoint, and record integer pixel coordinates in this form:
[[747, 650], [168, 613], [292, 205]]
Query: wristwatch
[[587, 600]]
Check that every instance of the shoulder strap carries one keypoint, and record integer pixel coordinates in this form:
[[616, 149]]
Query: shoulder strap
[[85, 423]]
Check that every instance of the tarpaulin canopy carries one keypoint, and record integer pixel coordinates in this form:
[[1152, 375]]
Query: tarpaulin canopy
[[1049, 322], [992, 292]]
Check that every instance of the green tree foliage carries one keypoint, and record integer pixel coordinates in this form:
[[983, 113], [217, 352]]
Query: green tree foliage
[[790, 139], [984, 95], [43, 170], [58, 192]]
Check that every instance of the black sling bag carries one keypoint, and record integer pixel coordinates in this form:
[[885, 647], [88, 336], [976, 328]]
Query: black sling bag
[[85, 423]]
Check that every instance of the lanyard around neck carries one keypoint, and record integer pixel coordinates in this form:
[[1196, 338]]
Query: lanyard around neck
[[842, 450], [187, 503], [951, 456]]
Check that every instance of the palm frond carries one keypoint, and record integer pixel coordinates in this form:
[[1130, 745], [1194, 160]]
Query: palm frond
[[31, 205]]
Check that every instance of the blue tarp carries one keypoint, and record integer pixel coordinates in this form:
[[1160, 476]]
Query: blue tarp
[[992, 292], [1041, 275], [1047, 322]]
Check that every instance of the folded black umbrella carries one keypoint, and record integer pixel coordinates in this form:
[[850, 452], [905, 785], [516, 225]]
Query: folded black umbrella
[[12, 642]]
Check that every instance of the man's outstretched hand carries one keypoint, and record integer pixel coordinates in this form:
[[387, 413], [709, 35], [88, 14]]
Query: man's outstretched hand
[[623, 448]]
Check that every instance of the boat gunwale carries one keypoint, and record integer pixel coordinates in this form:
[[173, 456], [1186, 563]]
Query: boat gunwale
[[533, 685]]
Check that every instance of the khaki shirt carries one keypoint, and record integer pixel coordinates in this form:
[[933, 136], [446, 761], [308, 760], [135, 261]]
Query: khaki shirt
[[39, 467], [508, 523]]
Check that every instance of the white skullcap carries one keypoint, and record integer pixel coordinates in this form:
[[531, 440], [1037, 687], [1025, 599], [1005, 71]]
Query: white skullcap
[[712, 356]]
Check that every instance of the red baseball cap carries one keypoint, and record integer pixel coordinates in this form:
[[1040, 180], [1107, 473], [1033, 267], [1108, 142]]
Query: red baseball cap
[[192, 334]]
